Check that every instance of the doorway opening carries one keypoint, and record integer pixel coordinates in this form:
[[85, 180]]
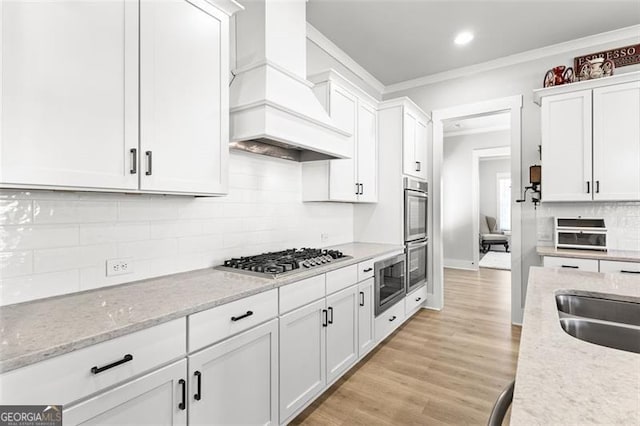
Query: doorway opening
[[508, 109]]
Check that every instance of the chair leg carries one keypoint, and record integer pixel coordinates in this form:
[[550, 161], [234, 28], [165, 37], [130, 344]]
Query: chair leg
[[506, 247]]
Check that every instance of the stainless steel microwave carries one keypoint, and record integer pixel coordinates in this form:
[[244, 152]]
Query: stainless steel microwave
[[581, 233]]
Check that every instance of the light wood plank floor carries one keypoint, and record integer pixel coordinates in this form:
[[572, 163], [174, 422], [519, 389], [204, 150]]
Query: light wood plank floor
[[443, 367]]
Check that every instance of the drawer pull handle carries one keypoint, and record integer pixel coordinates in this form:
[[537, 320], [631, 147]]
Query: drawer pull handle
[[418, 299], [624, 271], [248, 314], [331, 320], [570, 266], [183, 404], [367, 270], [392, 318], [198, 395], [362, 298], [126, 358]]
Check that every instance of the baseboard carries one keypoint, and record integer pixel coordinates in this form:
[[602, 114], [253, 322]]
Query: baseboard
[[460, 264]]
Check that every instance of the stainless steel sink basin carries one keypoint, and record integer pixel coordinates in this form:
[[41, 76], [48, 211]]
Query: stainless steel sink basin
[[599, 308], [603, 333], [602, 320]]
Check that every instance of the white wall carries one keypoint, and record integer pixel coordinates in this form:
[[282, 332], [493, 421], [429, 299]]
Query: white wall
[[457, 189], [57, 242], [518, 79], [488, 194]]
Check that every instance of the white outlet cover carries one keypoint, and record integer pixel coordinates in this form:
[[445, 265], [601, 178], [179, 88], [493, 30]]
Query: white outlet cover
[[119, 266]]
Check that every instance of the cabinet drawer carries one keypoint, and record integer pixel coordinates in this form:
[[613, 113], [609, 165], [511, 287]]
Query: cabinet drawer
[[294, 295], [389, 320], [617, 266], [341, 278], [215, 324], [365, 270], [570, 263], [69, 377], [414, 300]]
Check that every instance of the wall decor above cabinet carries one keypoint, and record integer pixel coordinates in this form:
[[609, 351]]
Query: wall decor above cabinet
[[354, 179], [591, 140], [118, 96]]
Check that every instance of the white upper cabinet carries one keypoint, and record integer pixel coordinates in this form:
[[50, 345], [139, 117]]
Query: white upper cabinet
[[414, 144], [566, 147], [184, 55], [347, 180], [69, 94], [616, 142], [591, 140], [71, 114]]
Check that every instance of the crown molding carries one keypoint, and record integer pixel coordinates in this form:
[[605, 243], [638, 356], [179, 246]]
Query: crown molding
[[341, 56], [518, 58]]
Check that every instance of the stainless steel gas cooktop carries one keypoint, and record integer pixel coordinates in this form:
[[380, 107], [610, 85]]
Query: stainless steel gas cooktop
[[279, 263]]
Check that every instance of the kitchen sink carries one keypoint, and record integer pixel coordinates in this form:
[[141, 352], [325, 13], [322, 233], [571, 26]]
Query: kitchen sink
[[603, 333], [602, 320], [599, 308]]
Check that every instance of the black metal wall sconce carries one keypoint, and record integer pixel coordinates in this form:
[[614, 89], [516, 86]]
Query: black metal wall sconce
[[535, 180]]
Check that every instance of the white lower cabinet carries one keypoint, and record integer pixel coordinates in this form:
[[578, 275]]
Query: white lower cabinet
[[389, 320], [621, 267], [302, 357], [342, 332], [571, 263], [158, 398], [365, 317], [236, 381]]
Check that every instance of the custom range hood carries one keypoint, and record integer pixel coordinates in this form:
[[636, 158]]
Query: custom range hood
[[273, 110]]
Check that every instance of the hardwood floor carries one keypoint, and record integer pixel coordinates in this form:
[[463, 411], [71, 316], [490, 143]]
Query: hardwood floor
[[443, 367]]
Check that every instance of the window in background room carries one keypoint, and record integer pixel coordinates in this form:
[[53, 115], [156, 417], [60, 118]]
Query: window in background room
[[504, 201]]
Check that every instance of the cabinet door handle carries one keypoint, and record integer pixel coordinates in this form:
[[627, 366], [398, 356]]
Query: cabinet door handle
[[624, 271], [126, 358], [362, 189], [331, 318], [392, 318], [597, 187], [362, 298], [417, 166], [134, 161], [238, 318], [367, 270], [588, 187], [570, 266], [418, 299], [198, 394], [183, 404], [324, 320], [149, 155], [357, 188]]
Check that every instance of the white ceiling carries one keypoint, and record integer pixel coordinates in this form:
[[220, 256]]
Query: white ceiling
[[479, 124], [398, 40]]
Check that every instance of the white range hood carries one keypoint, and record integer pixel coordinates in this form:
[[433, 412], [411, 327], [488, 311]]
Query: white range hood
[[273, 110]]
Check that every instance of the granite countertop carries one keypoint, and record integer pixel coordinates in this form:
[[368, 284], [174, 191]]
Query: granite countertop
[[564, 380], [618, 255], [34, 331]]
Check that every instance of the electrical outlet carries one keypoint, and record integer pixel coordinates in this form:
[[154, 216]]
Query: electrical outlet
[[119, 266], [324, 237]]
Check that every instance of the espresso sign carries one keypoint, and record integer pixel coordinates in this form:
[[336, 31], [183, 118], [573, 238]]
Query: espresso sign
[[622, 56]]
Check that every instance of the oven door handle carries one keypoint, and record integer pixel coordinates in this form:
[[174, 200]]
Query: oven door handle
[[411, 246], [414, 193]]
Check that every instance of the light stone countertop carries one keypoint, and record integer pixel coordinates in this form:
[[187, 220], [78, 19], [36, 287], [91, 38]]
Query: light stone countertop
[[616, 255], [34, 331], [564, 380]]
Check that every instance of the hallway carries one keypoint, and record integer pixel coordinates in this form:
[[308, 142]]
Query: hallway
[[439, 367]]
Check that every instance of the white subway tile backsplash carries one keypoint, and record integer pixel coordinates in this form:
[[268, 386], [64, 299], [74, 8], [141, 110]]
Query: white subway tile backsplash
[[29, 287], [113, 232], [35, 237], [60, 259], [16, 212], [58, 242], [73, 211], [15, 263]]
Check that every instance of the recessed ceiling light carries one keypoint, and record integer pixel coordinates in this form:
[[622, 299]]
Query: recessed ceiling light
[[463, 38]]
